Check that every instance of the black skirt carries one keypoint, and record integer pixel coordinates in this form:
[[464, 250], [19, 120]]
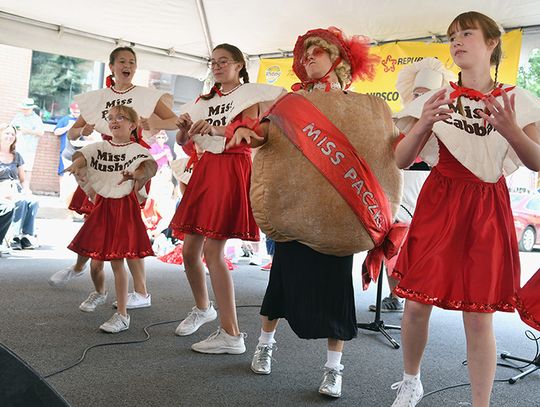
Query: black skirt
[[313, 291]]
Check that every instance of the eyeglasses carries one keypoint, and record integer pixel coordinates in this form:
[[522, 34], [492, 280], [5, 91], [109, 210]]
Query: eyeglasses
[[118, 118], [315, 52], [222, 62]]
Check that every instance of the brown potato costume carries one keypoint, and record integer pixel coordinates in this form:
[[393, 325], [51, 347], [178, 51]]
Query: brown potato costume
[[290, 198], [315, 229]]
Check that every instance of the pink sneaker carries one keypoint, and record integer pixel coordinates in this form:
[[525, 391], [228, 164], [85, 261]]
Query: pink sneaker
[[267, 267]]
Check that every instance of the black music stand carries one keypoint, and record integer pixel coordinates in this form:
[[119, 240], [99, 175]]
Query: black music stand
[[535, 365], [378, 325]]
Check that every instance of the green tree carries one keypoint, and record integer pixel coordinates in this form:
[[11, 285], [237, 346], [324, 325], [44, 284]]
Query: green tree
[[530, 78], [55, 79]]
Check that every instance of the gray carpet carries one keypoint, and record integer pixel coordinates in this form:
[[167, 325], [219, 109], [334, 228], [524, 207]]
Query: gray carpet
[[44, 327]]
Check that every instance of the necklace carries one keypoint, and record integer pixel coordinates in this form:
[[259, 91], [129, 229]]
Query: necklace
[[121, 92], [229, 91], [120, 144]]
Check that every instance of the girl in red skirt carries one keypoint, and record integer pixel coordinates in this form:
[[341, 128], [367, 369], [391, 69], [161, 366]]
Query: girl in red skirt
[[113, 174], [94, 108], [215, 206], [461, 252]]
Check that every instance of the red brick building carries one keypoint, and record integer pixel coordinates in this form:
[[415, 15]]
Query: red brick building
[[15, 67]]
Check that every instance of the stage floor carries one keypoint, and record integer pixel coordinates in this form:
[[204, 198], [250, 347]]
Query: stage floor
[[44, 327]]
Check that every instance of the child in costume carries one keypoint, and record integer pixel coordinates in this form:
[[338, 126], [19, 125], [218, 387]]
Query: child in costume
[[325, 186], [215, 205], [113, 174], [461, 251], [94, 107], [413, 81]]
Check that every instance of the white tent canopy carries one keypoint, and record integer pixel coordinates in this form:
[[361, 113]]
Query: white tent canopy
[[176, 36]]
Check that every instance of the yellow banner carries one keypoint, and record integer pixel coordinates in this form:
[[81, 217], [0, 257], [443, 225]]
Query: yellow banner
[[394, 57]]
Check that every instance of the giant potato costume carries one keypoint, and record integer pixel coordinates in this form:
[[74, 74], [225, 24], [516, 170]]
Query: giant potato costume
[[291, 199]]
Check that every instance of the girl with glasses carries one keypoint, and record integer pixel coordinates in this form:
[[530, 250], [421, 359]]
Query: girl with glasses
[[113, 174], [215, 206]]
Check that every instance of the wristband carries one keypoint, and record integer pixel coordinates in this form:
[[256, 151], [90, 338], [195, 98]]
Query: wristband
[[248, 123]]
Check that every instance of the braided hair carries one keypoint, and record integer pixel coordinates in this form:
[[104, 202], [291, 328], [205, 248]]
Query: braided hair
[[237, 56]]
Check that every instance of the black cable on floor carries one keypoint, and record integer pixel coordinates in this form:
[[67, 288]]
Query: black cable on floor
[[145, 329], [529, 334]]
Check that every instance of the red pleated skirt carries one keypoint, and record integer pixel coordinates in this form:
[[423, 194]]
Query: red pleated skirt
[[527, 300], [80, 202], [461, 252], [113, 230], [216, 202]]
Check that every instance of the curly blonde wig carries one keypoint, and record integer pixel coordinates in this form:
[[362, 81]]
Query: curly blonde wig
[[343, 70]]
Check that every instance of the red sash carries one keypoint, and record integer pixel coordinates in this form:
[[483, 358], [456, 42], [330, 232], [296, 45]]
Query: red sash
[[329, 150]]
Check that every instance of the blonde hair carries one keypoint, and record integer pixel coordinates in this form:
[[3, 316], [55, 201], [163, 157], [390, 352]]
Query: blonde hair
[[343, 70], [130, 114]]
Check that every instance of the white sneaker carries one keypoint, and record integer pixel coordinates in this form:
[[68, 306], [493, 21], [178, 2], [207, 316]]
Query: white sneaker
[[195, 319], [93, 300], [60, 278], [221, 342], [116, 324], [409, 392], [136, 300], [255, 260]]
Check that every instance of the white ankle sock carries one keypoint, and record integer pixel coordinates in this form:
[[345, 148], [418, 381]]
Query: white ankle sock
[[333, 360], [410, 376], [267, 338]]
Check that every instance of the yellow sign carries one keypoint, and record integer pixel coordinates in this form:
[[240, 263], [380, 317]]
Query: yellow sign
[[395, 56]]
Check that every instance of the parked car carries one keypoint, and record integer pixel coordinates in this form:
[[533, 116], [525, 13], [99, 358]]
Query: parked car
[[526, 210]]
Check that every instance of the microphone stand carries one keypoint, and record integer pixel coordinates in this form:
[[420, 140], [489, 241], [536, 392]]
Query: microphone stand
[[378, 325]]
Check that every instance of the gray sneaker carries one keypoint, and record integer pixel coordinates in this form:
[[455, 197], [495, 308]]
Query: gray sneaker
[[389, 304], [195, 319], [116, 324], [221, 342], [409, 393], [331, 383], [93, 300], [262, 359]]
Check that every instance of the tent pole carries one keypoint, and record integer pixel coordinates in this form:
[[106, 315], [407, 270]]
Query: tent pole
[[204, 23]]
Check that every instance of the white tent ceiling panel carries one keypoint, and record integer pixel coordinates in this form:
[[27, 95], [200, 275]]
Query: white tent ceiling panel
[[46, 40], [256, 26]]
